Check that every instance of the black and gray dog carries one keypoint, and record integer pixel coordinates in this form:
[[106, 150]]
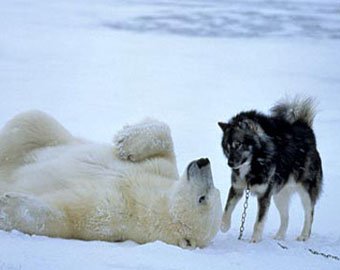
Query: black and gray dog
[[273, 155]]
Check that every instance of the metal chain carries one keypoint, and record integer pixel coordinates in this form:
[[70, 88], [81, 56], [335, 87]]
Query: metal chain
[[244, 214], [315, 252], [282, 246], [243, 220]]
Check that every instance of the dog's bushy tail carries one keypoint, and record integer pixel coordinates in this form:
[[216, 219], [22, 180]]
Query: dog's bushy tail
[[297, 109]]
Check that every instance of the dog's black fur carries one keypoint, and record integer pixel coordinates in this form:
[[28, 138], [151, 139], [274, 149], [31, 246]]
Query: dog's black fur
[[268, 151]]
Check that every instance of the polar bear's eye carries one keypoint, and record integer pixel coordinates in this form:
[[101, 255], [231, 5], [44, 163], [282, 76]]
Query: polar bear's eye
[[201, 199]]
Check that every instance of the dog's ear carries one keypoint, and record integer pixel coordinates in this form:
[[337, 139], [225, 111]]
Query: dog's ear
[[224, 126], [253, 126]]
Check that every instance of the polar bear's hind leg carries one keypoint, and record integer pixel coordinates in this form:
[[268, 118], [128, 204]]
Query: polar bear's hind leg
[[29, 131]]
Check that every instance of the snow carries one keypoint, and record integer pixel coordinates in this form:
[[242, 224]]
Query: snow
[[98, 65]]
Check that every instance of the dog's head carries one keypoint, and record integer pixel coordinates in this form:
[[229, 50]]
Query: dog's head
[[240, 137]]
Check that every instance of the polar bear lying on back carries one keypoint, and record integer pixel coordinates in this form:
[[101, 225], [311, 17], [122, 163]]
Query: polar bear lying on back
[[54, 184]]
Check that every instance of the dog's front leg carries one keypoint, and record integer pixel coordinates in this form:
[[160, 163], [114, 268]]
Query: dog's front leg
[[263, 202], [233, 198]]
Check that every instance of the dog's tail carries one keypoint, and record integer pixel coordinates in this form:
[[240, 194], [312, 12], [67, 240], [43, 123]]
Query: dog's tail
[[296, 109]]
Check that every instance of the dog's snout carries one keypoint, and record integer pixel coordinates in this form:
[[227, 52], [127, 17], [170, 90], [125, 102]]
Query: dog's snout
[[202, 162], [230, 163]]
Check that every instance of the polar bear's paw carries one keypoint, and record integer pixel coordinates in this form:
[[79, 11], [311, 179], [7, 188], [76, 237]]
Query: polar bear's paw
[[187, 244], [143, 140], [12, 206], [21, 212], [122, 143]]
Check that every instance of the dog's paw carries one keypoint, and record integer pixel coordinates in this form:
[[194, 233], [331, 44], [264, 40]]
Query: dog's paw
[[224, 227], [257, 237], [225, 224], [279, 236], [302, 238], [255, 240]]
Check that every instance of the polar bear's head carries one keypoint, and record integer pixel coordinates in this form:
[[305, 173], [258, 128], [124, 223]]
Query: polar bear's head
[[196, 205]]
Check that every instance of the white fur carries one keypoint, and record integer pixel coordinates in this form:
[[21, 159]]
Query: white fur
[[308, 208], [259, 189], [226, 218], [244, 169], [282, 200], [56, 185], [238, 185]]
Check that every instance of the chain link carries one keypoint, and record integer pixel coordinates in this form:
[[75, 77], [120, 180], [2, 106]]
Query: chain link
[[282, 246], [315, 252], [243, 220], [244, 214]]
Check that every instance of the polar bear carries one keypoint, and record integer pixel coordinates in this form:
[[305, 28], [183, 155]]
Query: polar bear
[[54, 184]]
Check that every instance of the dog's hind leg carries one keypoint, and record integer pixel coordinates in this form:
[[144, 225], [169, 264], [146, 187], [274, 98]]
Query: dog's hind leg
[[309, 191], [144, 140], [233, 198], [308, 207], [282, 200]]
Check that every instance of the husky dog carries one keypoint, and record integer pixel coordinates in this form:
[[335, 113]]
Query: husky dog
[[275, 156], [54, 184]]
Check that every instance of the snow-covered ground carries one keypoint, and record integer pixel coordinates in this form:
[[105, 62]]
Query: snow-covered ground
[[96, 65]]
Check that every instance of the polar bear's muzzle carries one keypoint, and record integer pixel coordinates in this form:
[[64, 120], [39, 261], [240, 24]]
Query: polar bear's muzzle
[[199, 171]]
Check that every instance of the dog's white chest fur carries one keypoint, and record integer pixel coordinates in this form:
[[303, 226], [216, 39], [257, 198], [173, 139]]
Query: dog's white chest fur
[[244, 170]]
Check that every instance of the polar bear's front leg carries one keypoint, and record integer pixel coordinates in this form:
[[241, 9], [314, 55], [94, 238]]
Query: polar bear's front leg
[[30, 215], [144, 140]]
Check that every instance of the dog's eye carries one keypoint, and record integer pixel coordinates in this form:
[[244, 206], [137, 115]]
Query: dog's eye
[[237, 145], [226, 153]]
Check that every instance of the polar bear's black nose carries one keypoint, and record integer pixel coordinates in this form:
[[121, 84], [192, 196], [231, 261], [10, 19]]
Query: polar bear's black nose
[[202, 162]]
